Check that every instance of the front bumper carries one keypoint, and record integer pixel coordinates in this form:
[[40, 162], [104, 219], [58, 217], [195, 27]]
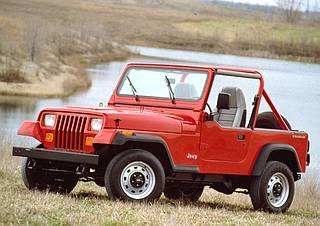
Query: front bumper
[[56, 155]]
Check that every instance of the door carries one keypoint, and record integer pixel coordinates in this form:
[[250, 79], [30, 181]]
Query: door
[[226, 137], [223, 144]]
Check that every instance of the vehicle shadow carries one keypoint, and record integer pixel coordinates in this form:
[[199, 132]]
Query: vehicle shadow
[[90, 195], [164, 201], [204, 204]]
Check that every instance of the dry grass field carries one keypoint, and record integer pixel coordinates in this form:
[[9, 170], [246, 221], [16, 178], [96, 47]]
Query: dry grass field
[[89, 205], [45, 45]]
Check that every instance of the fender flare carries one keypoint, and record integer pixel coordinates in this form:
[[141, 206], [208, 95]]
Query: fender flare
[[266, 151], [121, 139]]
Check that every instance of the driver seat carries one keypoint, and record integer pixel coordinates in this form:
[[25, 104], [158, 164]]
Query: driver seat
[[235, 116]]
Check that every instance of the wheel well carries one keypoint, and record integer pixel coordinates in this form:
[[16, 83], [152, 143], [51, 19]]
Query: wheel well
[[286, 157], [157, 149]]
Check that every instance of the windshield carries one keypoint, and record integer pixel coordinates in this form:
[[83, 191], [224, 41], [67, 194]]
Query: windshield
[[174, 84]]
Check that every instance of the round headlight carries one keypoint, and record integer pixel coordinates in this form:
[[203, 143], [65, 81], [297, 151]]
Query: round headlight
[[49, 120], [96, 124]]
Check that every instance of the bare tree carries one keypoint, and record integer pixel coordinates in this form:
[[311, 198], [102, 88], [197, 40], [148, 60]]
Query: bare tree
[[307, 7], [32, 38], [291, 9]]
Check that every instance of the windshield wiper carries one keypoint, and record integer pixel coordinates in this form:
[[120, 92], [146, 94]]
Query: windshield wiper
[[171, 93], [134, 91]]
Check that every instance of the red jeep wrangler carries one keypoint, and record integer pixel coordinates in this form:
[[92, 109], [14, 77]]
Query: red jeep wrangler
[[160, 133]]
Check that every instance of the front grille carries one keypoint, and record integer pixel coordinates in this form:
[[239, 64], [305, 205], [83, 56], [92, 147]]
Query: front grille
[[70, 132]]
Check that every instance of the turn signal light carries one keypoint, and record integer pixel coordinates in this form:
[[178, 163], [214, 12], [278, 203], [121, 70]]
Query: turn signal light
[[89, 141], [49, 137], [127, 133]]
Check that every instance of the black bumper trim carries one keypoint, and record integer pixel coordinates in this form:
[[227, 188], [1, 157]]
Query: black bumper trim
[[57, 155]]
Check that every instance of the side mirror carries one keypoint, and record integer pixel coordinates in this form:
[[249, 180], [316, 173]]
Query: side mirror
[[223, 101]]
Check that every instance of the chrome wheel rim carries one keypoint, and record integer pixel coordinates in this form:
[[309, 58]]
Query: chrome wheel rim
[[278, 189], [137, 180]]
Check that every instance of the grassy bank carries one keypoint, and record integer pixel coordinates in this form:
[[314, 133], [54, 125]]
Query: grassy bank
[[46, 45], [89, 205]]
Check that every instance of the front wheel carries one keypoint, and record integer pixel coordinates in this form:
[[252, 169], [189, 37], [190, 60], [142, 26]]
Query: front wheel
[[35, 178], [134, 175], [273, 190]]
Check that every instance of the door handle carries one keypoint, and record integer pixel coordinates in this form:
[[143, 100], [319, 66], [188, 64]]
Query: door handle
[[241, 137]]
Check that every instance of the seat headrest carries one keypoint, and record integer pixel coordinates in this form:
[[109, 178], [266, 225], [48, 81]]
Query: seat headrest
[[185, 91], [236, 97]]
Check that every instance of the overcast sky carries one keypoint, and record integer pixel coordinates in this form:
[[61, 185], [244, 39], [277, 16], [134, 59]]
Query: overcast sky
[[270, 2]]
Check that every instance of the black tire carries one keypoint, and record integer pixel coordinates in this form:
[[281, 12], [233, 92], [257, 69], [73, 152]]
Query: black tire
[[124, 181], [35, 179], [267, 120], [183, 192], [278, 178], [32, 178]]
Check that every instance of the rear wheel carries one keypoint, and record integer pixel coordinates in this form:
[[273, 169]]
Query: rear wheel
[[35, 178], [135, 175], [273, 190], [183, 192]]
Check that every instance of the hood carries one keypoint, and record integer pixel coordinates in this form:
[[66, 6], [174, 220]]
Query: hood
[[137, 118]]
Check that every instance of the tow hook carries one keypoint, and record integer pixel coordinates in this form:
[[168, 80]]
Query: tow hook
[[80, 169], [31, 164]]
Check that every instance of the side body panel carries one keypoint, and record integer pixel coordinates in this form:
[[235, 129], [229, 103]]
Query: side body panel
[[178, 129], [222, 152]]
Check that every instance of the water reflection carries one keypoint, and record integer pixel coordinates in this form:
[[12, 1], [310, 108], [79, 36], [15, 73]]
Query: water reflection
[[10, 104]]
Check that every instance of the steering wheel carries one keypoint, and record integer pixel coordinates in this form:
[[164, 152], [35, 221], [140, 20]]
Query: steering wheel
[[210, 109]]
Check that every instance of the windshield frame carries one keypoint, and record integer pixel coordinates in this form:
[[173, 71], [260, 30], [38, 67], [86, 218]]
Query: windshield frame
[[141, 97]]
